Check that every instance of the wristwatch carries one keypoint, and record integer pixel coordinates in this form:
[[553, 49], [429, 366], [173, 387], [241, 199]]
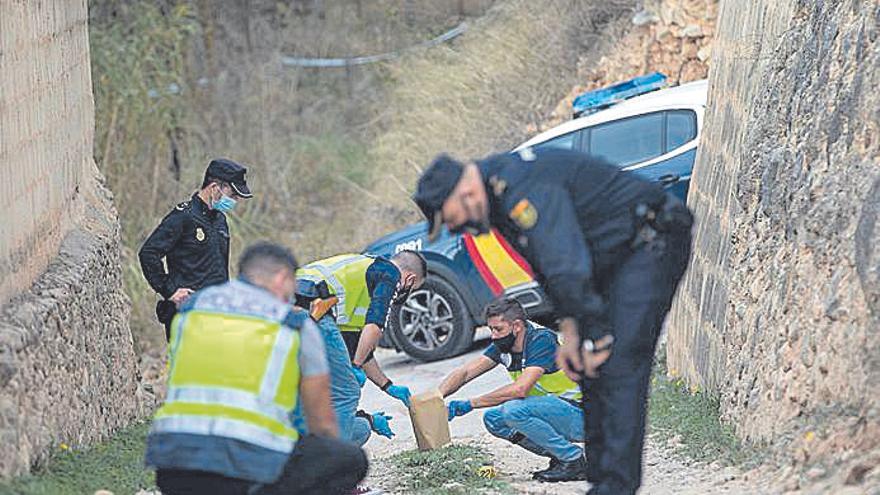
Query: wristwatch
[[590, 346]]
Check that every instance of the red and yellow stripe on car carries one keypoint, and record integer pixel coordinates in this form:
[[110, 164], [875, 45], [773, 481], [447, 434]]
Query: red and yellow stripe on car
[[497, 262]]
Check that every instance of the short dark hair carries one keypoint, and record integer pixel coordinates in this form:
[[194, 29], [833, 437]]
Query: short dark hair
[[412, 261], [265, 259], [508, 308], [209, 180]]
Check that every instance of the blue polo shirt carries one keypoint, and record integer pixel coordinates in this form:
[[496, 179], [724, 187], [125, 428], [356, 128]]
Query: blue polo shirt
[[539, 350]]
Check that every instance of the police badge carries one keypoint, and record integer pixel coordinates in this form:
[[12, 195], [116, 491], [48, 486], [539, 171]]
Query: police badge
[[200, 234], [524, 214]]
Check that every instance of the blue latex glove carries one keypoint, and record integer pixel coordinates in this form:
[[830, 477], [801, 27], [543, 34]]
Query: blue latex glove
[[359, 375], [459, 408], [380, 424], [400, 393]]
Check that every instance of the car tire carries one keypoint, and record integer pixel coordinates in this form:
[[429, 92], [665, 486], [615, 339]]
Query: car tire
[[433, 323]]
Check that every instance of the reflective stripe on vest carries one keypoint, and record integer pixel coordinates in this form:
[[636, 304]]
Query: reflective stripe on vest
[[346, 276], [233, 376], [237, 398], [222, 427]]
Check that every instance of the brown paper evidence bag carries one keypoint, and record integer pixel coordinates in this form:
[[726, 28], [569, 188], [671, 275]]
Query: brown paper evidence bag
[[429, 420]]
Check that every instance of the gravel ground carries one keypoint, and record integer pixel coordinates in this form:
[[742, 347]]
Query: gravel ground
[[665, 473]]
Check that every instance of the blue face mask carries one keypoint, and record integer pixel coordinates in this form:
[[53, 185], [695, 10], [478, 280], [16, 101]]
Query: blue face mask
[[224, 204]]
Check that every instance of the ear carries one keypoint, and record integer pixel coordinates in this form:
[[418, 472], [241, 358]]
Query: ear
[[279, 278]]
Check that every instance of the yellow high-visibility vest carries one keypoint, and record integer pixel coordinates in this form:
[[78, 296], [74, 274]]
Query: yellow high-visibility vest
[[554, 383], [233, 376], [346, 276]]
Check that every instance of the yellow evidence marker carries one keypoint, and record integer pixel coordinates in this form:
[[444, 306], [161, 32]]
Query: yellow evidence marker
[[486, 471]]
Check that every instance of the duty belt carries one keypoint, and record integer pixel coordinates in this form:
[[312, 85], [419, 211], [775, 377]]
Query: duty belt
[[670, 215]]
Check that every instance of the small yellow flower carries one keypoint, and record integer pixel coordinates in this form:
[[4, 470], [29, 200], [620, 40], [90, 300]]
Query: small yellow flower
[[809, 436], [673, 372], [64, 446]]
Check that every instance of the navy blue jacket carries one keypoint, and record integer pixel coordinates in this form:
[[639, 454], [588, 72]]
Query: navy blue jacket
[[572, 217], [194, 240]]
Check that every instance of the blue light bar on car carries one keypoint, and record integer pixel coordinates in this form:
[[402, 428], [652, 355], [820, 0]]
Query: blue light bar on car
[[593, 101]]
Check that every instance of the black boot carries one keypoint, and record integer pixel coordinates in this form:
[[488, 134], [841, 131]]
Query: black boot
[[565, 471], [553, 463]]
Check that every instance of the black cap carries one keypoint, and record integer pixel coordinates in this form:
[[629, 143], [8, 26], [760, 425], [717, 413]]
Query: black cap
[[231, 172], [435, 185]]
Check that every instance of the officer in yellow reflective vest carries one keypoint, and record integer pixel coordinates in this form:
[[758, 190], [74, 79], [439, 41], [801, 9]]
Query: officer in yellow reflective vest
[[540, 410], [361, 290], [240, 361]]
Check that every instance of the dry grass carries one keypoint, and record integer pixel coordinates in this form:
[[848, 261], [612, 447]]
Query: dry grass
[[477, 96], [332, 155], [301, 132]]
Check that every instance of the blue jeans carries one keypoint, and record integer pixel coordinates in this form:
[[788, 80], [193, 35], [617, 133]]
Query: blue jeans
[[548, 423], [345, 393]]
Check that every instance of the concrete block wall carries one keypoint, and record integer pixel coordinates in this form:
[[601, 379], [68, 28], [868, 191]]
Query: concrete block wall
[[779, 312], [68, 373]]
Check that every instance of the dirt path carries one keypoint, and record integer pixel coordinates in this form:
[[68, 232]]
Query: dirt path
[[665, 473]]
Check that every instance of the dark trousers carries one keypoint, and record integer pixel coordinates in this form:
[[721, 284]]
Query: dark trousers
[[317, 466], [639, 296]]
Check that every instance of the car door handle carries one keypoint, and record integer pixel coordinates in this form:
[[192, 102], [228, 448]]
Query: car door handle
[[669, 179]]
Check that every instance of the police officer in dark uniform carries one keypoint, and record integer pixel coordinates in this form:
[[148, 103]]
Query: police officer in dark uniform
[[610, 249], [194, 240]]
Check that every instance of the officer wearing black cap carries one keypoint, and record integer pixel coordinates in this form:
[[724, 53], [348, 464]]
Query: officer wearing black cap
[[194, 240], [609, 247]]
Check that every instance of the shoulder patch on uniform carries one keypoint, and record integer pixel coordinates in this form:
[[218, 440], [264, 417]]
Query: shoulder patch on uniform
[[183, 206], [527, 154], [524, 214], [498, 185]]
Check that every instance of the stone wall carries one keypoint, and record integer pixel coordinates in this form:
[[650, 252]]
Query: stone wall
[[46, 121], [780, 310], [68, 371]]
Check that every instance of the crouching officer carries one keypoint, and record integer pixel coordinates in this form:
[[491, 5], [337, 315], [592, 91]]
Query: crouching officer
[[194, 240], [351, 297], [610, 248], [240, 361], [539, 411]]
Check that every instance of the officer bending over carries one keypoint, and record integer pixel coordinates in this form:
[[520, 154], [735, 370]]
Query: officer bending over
[[360, 291], [540, 410], [609, 247], [194, 240], [240, 362]]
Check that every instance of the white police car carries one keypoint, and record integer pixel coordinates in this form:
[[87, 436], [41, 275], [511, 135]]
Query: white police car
[[653, 134]]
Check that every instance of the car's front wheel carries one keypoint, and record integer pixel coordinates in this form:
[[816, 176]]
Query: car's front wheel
[[433, 323]]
